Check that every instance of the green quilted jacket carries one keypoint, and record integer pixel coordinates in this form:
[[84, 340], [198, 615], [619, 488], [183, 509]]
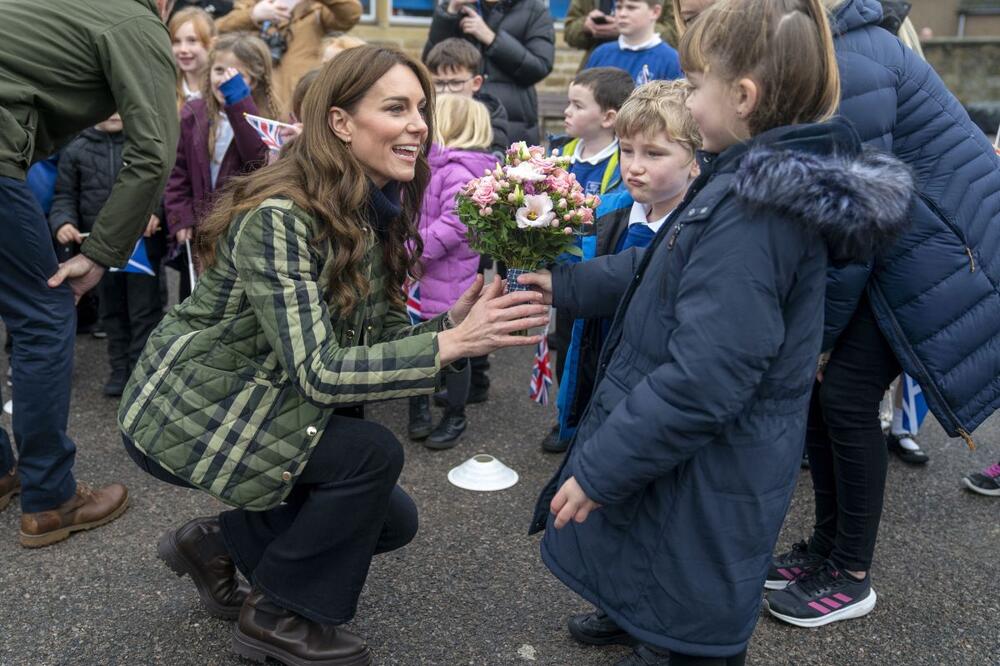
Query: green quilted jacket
[[236, 384]]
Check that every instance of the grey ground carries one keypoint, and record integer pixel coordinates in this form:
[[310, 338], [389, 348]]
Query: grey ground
[[471, 589]]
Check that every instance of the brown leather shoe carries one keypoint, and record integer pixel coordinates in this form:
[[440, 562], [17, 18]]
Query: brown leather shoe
[[197, 549], [267, 630], [10, 485], [87, 509]]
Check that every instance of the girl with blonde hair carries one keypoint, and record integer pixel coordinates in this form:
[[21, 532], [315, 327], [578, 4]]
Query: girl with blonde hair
[[192, 32], [448, 265]]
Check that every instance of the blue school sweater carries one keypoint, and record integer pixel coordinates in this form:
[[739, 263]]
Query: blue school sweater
[[656, 62]]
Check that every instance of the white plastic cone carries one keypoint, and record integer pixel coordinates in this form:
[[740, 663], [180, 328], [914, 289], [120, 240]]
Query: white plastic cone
[[483, 473]]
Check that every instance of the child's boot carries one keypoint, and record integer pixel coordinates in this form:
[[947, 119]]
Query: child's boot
[[447, 432], [420, 424], [597, 629]]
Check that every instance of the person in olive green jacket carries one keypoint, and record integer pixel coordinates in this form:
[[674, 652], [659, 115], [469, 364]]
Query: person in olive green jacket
[[66, 65], [252, 389], [589, 23]]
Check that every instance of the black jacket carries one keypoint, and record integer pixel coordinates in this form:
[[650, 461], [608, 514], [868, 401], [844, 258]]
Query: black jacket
[[498, 120], [88, 168], [521, 55]]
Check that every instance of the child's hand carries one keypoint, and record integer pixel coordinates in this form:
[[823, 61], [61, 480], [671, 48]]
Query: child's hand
[[152, 226], [289, 133], [68, 234], [455, 6], [605, 28], [571, 503], [269, 10], [542, 281], [235, 88], [474, 25], [184, 235]]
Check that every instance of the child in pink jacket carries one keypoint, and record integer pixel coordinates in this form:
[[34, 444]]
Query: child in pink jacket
[[460, 153]]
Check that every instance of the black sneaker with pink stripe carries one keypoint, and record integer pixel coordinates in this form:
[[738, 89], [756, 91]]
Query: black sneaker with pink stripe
[[786, 567], [826, 595]]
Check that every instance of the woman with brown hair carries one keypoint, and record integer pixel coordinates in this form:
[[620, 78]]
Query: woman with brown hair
[[253, 388]]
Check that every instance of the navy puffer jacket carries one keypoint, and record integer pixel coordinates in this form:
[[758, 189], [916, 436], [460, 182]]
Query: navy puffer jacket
[[935, 292], [692, 439]]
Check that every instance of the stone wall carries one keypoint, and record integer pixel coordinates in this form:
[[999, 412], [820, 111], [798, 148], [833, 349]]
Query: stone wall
[[970, 67]]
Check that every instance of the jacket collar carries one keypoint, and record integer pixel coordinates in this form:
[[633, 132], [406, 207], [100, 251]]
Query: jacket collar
[[854, 14]]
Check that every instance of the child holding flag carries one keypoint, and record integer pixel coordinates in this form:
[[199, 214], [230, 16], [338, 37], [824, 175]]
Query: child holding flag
[[216, 142], [130, 301]]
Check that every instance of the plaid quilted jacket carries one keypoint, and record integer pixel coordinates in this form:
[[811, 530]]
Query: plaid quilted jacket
[[236, 384]]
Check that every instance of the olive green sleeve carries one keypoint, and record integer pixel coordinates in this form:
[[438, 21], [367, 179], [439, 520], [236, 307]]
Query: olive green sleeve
[[139, 68]]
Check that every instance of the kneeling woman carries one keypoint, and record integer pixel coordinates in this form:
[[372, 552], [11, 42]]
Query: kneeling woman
[[251, 390]]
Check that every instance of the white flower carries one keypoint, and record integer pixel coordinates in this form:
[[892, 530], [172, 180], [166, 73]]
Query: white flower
[[537, 212], [525, 172]]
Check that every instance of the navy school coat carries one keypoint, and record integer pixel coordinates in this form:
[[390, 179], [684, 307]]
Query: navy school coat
[[692, 439], [936, 292]]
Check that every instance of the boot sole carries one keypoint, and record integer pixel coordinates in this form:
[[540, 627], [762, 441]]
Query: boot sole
[[6, 499], [49, 538], [259, 651], [420, 435], [167, 551]]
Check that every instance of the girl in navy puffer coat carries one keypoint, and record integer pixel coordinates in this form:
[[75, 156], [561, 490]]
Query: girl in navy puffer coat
[[675, 487]]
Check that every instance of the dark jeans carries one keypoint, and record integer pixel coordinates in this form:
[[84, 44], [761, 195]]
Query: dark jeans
[[846, 448], [130, 310], [42, 324], [311, 554]]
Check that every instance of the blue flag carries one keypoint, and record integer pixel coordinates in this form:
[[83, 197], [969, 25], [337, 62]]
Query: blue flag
[[138, 262], [914, 405]]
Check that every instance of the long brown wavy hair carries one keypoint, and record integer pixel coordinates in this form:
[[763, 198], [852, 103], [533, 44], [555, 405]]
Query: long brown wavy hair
[[319, 174]]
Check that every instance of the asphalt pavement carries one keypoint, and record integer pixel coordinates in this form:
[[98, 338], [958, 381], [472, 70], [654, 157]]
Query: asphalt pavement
[[471, 589]]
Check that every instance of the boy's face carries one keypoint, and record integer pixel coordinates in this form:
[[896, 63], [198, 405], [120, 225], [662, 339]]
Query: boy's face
[[635, 17], [583, 116], [656, 168], [457, 81], [112, 125]]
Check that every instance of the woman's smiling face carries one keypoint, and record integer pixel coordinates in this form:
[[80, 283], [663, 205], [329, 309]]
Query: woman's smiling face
[[388, 128]]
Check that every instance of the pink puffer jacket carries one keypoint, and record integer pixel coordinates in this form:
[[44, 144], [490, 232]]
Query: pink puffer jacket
[[449, 265]]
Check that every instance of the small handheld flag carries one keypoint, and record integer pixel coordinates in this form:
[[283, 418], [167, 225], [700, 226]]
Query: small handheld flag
[[914, 405], [191, 272], [413, 308], [541, 373], [268, 130], [139, 261]]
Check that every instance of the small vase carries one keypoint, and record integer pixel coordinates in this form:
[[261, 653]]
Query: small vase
[[512, 283], [513, 286]]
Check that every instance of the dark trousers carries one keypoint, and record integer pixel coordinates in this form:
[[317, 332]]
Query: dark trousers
[[130, 310], [311, 554], [846, 448], [42, 324], [677, 659]]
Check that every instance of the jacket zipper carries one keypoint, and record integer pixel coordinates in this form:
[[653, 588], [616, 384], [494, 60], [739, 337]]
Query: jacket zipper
[[954, 229], [674, 235]]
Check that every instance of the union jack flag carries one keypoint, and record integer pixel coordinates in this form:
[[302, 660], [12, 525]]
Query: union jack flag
[[268, 130], [541, 374], [412, 288]]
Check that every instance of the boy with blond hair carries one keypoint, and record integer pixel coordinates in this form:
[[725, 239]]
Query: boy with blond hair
[[658, 140]]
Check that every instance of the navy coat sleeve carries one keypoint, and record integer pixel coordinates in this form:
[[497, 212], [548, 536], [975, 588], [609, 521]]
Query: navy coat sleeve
[[844, 287], [594, 288], [730, 328]]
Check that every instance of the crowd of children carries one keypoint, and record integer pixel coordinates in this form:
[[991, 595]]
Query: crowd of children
[[709, 339]]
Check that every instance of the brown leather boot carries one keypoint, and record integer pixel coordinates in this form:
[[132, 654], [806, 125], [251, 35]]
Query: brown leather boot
[[197, 549], [87, 509], [10, 485], [267, 630]]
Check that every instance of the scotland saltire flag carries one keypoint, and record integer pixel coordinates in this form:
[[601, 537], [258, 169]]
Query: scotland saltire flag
[[412, 288], [914, 405], [138, 262], [644, 77], [541, 374], [268, 130]]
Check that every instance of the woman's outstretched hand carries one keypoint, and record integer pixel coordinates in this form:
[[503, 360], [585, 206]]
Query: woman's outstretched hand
[[541, 281], [487, 319]]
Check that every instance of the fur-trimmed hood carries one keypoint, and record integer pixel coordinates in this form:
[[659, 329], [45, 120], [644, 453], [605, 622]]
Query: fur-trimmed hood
[[857, 199]]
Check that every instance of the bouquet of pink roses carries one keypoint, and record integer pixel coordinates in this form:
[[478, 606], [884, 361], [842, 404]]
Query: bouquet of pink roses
[[527, 211]]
